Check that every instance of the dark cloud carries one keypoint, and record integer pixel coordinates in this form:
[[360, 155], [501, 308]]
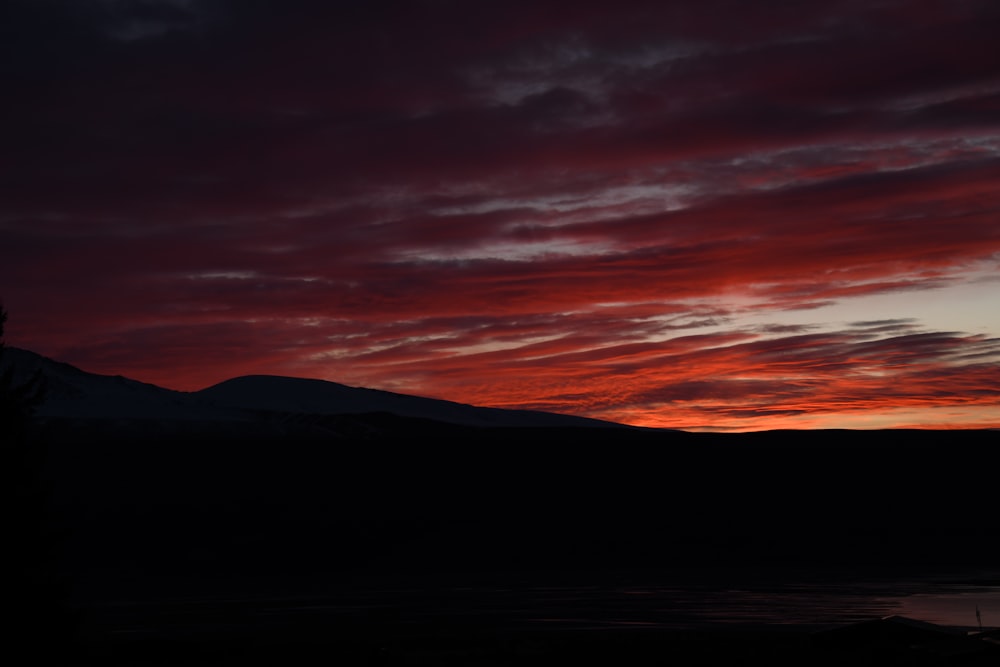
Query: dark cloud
[[540, 193]]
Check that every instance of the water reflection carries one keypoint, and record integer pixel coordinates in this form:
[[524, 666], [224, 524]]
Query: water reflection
[[635, 605], [955, 606]]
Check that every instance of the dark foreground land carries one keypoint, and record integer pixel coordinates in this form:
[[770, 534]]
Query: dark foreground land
[[154, 522], [484, 646], [674, 648]]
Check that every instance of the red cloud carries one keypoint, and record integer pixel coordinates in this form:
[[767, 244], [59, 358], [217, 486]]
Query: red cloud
[[527, 211]]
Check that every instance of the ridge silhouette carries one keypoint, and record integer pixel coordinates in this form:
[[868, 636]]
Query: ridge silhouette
[[34, 589]]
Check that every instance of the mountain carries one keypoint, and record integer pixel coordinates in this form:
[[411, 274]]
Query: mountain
[[72, 393], [77, 394], [320, 397], [171, 503]]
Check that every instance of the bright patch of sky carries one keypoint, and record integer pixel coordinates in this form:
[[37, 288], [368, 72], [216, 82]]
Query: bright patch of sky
[[923, 417], [970, 306]]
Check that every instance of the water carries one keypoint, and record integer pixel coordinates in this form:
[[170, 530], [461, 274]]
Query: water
[[633, 602], [954, 605]]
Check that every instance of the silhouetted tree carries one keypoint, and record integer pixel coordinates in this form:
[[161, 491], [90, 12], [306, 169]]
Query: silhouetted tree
[[31, 590], [18, 401]]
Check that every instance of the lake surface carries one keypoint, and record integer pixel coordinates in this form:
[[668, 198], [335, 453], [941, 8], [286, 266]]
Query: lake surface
[[791, 600]]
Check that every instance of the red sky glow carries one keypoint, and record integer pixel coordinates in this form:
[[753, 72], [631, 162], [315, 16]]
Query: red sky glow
[[711, 215]]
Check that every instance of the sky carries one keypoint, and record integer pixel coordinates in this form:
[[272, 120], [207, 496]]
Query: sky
[[714, 215]]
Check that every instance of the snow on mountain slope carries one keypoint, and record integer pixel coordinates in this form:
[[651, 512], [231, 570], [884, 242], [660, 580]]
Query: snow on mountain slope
[[75, 393], [298, 395]]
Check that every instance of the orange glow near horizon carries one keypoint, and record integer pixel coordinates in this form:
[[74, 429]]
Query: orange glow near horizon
[[697, 218]]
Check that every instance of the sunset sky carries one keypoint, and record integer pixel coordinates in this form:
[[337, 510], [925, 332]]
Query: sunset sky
[[711, 214]]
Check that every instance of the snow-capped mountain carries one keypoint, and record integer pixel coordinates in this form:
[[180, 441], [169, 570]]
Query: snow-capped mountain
[[74, 393], [320, 397]]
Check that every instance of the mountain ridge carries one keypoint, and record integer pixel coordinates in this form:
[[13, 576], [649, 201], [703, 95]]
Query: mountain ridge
[[78, 394]]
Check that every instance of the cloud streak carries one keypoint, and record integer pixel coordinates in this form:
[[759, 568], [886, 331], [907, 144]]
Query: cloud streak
[[587, 208]]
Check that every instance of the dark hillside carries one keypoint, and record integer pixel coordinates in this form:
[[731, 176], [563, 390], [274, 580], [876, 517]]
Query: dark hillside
[[156, 510]]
